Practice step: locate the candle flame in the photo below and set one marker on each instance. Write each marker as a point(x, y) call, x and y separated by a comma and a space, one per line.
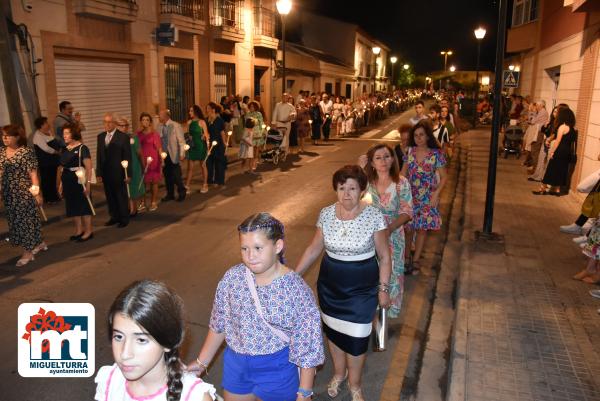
point(186, 147)
point(125, 163)
point(79, 173)
point(163, 155)
point(149, 159)
point(229, 133)
point(214, 143)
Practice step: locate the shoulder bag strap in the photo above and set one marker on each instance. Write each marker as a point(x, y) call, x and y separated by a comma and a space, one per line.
point(252, 289)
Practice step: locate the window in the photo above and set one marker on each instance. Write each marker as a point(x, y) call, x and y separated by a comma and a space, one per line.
point(179, 87)
point(224, 80)
point(348, 91)
point(329, 87)
point(524, 11)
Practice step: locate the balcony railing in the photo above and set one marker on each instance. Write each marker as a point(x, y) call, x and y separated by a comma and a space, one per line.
point(264, 22)
point(227, 14)
point(187, 8)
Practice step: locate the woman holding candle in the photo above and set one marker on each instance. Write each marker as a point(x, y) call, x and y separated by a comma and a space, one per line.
point(151, 149)
point(216, 162)
point(136, 190)
point(198, 149)
point(77, 190)
point(21, 193)
point(259, 133)
point(390, 193)
point(354, 275)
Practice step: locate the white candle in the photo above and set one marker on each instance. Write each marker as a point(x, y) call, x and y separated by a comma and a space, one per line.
point(79, 174)
point(229, 133)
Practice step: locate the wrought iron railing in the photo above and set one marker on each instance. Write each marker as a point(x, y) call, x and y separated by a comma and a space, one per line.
point(187, 8)
point(227, 14)
point(264, 21)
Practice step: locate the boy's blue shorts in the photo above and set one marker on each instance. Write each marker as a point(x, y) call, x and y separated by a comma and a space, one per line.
point(270, 377)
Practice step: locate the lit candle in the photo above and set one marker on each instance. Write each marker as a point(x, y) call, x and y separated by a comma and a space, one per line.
point(163, 155)
point(186, 147)
point(125, 164)
point(368, 199)
point(149, 159)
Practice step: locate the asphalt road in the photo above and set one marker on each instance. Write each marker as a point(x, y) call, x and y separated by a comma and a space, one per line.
point(188, 245)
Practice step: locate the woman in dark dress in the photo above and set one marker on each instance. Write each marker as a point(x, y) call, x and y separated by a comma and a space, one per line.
point(316, 115)
point(76, 155)
point(560, 154)
point(216, 162)
point(21, 193)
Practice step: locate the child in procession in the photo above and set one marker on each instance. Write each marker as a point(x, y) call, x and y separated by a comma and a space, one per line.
point(246, 148)
point(268, 318)
point(146, 328)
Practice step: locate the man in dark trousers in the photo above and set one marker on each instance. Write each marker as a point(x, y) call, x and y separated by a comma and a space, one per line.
point(113, 148)
point(173, 142)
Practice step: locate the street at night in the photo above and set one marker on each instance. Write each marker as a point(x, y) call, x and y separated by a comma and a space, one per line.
point(279, 200)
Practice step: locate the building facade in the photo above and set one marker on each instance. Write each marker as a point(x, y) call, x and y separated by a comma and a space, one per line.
point(555, 45)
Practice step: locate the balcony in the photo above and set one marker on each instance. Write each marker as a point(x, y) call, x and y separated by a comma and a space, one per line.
point(186, 15)
point(226, 20)
point(522, 37)
point(115, 10)
point(264, 28)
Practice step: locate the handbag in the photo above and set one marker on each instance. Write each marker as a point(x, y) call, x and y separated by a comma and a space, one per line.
point(279, 333)
point(82, 179)
point(380, 330)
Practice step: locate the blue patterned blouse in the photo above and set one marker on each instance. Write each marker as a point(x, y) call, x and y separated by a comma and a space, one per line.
point(288, 304)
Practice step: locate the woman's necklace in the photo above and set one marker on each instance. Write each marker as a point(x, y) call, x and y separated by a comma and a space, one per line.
point(346, 222)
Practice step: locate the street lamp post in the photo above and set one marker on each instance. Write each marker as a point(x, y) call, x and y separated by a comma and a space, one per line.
point(488, 217)
point(283, 7)
point(445, 53)
point(376, 50)
point(479, 35)
point(393, 60)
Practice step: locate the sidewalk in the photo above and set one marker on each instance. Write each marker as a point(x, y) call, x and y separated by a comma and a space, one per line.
point(524, 330)
point(56, 211)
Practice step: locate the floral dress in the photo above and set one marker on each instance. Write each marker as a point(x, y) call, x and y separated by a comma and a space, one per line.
point(396, 200)
point(592, 246)
point(423, 181)
point(24, 225)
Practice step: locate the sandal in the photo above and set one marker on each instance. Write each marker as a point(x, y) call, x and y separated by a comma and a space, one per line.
point(540, 192)
point(333, 388)
point(357, 394)
point(592, 278)
point(40, 247)
point(581, 275)
point(153, 207)
point(23, 261)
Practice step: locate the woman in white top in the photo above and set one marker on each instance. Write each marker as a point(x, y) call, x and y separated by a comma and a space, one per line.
point(337, 121)
point(354, 276)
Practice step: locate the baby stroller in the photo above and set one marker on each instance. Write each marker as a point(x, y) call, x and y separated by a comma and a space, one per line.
point(513, 141)
point(273, 151)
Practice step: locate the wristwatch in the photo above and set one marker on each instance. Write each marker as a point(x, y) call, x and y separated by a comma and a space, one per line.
point(304, 393)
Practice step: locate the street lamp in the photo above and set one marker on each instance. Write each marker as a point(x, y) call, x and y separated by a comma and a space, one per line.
point(445, 53)
point(393, 60)
point(376, 50)
point(283, 8)
point(406, 66)
point(479, 35)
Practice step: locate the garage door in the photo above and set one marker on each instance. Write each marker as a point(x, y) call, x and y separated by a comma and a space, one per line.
point(94, 88)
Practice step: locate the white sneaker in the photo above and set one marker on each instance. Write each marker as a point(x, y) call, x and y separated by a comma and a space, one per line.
point(595, 293)
point(580, 240)
point(571, 229)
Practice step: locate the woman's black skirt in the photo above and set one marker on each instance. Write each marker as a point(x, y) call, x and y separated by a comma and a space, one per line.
point(348, 299)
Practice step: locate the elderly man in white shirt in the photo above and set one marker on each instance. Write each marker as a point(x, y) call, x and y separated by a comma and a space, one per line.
point(283, 115)
point(327, 107)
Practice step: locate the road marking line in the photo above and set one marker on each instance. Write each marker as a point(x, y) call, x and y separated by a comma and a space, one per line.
point(224, 201)
point(162, 230)
point(393, 134)
point(370, 134)
point(313, 159)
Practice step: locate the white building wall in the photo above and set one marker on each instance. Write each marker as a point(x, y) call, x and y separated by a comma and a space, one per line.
point(591, 149)
point(567, 55)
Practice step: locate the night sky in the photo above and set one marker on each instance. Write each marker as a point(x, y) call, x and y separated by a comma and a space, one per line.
point(417, 30)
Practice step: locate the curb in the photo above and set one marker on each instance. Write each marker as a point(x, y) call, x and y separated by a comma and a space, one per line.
point(458, 352)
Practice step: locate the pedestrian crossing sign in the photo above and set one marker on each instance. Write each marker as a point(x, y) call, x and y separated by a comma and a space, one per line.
point(511, 79)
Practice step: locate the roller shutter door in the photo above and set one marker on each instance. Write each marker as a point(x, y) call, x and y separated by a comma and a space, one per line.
point(94, 88)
